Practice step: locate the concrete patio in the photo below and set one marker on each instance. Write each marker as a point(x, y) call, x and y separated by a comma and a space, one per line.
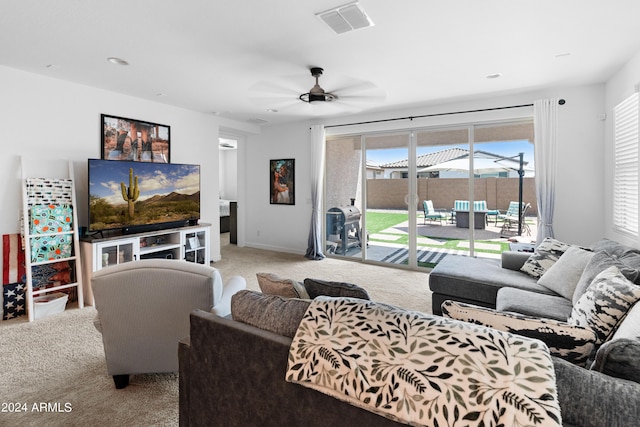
point(432, 237)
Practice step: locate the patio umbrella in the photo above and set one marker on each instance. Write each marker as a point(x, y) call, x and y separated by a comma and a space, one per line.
point(483, 165)
point(480, 166)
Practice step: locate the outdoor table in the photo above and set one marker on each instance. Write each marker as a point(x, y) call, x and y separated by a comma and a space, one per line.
point(479, 219)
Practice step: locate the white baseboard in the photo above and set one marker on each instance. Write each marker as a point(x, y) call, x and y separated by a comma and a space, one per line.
point(275, 248)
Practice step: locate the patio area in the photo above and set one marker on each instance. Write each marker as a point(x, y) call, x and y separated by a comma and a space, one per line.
point(437, 240)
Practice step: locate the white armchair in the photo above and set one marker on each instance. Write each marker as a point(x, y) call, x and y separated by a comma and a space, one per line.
point(143, 311)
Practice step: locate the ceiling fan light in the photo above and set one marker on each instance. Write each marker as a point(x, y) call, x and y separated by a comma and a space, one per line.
point(318, 97)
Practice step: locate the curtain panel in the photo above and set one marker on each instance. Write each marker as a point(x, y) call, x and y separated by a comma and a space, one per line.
point(545, 118)
point(317, 157)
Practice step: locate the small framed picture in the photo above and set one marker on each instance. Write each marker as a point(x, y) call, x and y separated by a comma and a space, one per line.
point(134, 140)
point(282, 182)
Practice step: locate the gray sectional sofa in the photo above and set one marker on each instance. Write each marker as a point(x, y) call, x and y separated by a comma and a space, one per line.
point(501, 284)
point(233, 374)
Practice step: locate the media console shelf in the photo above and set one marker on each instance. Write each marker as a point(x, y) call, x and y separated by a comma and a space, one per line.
point(190, 244)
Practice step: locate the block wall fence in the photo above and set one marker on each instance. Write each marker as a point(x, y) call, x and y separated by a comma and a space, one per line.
point(498, 192)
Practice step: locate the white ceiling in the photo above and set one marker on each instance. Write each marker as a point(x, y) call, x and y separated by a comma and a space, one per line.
point(240, 58)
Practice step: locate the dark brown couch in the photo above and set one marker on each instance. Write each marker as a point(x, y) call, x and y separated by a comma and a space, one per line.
point(233, 374)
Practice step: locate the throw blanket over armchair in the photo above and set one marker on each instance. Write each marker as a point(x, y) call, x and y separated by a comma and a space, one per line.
point(143, 311)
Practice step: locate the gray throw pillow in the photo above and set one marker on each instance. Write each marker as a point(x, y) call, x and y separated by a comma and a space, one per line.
point(619, 358)
point(613, 248)
point(545, 255)
point(317, 287)
point(629, 327)
point(268, 312)
point(563, 276)
point(600, 261)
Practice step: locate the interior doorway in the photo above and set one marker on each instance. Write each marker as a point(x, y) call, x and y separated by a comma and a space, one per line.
point(228, 189)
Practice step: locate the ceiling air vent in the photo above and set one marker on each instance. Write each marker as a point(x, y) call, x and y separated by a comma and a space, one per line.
point(345, 18)
point(257, 121)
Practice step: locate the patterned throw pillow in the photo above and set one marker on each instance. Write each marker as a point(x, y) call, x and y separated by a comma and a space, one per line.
point(272, 284)
point(605, 303)
point(599, 262)
point(545, 255)
point(570, 342)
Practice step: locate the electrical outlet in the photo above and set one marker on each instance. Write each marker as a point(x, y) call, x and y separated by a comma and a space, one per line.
point(258, 233)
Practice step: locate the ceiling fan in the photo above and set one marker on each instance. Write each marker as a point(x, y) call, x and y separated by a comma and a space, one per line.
point(317, 94)
point(347, 94)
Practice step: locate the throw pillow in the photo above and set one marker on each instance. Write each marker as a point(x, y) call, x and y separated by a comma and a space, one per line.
point(619, 358)
point(545, 255)
point(629, 327)
point(317, 287)
point(563, 276)
point(271, 284)
point(572, 343)
point(268, 312)
point(600, 261)
point(613, 248)
point(605, 303)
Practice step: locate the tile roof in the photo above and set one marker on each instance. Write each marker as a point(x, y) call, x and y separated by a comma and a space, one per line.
point(430, 159)
point(441, 156)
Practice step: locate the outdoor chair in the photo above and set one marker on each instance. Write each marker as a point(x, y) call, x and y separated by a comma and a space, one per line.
point(510, 222)
point(509, 214)
point(430, 213)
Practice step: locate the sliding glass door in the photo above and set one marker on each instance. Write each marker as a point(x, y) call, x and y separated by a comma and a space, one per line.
point(412, 197)
point(387, 216)
point(438, 234)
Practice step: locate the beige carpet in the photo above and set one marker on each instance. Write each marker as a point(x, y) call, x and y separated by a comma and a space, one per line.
point(59, 361)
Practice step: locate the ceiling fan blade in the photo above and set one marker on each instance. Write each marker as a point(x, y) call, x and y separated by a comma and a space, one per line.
point(271, 88)
point(362, 99)
point(362, 86)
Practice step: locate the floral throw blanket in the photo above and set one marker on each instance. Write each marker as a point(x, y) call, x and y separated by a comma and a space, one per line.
point(420, 369)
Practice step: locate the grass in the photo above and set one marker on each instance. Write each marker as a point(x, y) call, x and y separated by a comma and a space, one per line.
point(379, 221)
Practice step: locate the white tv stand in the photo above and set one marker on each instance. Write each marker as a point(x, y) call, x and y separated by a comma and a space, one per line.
point(189, 244)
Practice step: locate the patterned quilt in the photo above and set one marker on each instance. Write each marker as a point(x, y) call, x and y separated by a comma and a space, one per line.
point(420, 369)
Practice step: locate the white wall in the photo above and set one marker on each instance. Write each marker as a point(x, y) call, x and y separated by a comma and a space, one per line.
point(283, 228)
point(579, 213)
point(228, 173)
point(48, 118)
point(619, 87)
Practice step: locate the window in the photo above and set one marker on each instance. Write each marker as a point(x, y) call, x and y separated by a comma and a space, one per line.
point(625, 181)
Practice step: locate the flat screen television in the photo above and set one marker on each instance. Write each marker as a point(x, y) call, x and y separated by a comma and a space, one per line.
point(142, 196)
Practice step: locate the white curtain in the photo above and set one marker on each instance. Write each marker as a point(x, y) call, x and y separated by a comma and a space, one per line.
point(314, 247)
point(545, 123)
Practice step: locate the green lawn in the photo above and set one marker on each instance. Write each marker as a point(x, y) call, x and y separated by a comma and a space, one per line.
point(378, 221)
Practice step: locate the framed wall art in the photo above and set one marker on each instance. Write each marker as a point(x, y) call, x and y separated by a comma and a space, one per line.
point(134, 140)
point(282, 182)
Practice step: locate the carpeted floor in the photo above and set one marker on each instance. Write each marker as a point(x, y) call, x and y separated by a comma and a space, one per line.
point(53, 369)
